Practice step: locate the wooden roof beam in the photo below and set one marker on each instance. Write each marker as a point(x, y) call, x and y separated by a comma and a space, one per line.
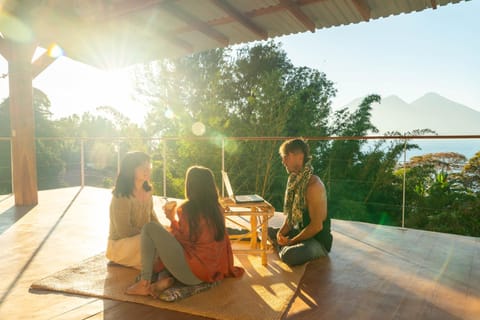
point(41, 63)
point(241, 18)
point(363, 8)
point(294, 8)
point(199, 25)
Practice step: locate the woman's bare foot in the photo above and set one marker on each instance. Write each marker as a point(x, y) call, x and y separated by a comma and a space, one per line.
point(162, 284)
point(140, 288)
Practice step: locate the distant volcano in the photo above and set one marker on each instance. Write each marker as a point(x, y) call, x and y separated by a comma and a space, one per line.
point(431, 111)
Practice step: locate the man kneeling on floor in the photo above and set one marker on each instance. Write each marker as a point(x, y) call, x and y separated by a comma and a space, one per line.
point(305, 234)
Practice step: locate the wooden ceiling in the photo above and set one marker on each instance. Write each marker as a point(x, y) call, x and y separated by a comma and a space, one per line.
point(116, 33)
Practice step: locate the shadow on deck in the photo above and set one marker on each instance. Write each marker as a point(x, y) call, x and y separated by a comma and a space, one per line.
point(373, 272)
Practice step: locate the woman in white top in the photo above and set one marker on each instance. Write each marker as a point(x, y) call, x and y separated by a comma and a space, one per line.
point(130, 209)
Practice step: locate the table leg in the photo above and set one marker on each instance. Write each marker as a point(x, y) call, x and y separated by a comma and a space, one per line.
point(264, 239)
point(253, 230)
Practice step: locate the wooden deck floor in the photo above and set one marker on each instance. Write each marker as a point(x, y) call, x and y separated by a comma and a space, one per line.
point(373, 272)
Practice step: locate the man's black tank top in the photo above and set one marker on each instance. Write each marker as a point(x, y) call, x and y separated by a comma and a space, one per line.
point(324, 236)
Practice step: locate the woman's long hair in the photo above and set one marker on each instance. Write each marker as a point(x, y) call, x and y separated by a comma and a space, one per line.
point(126, 177)
point(202, 201)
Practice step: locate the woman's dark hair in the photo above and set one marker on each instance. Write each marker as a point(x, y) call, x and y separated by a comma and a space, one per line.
point(202, 201)
point(126, 177)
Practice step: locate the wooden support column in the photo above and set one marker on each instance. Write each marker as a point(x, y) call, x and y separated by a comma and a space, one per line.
point(22, 123)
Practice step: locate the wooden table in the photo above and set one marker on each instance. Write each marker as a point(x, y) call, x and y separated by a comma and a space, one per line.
point(259, 213)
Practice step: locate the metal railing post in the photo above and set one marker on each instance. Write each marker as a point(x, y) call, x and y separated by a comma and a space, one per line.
point(164, 155)
point(82, 164)
point(223, 166)
point(11, 166)
point(404, 179)
point(117, 149)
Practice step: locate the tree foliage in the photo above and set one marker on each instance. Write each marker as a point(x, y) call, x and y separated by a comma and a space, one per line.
point(49, 163)
point(254, 91)
point(471, 173)
point(439, 195)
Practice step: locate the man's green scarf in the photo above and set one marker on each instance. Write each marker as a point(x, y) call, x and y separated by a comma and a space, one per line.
point(294, 204)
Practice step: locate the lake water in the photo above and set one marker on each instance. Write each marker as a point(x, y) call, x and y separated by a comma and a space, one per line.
point(467, 147)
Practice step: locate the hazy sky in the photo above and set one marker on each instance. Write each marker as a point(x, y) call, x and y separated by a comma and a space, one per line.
point(407, 55)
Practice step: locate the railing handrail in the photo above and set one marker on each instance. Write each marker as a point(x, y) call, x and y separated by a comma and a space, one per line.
point(263, 138)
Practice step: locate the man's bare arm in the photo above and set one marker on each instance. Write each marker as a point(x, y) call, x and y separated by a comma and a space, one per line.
point(281, 238)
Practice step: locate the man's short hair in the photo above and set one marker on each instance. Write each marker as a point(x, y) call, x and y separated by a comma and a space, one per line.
point(295, 146)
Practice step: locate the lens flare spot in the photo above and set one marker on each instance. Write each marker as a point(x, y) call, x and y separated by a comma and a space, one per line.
point(231, 146)
point(55, 51)
point(198, 129)
point(169, 114)
point(217, 139)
